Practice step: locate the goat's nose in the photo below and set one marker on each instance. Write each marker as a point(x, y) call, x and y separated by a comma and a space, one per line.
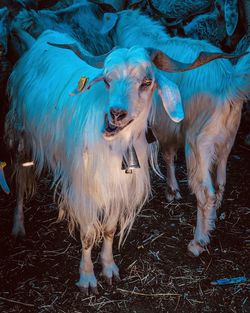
point(118, 114)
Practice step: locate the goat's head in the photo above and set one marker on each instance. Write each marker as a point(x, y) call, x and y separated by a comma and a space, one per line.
point(131, 76)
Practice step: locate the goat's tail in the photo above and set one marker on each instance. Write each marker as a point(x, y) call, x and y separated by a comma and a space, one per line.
point(242, 76)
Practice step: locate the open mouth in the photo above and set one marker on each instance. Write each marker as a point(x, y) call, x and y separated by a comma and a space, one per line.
point(112, 129)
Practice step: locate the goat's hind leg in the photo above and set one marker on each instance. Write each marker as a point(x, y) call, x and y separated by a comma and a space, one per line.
point(25, 184)
point(220, 180)
point(200, 180)
point(233, 121)
point(172, 190)
point(18, 228)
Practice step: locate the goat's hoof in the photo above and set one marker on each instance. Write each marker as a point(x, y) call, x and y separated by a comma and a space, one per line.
point(18, 231)
point(87, 283)
point(172, 195)
point(195, 248)
point(110, 272)
point(86, 291)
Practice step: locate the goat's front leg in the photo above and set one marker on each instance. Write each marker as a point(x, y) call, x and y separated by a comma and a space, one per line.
point(87, 276)
point(109, 268)
point(172, 190)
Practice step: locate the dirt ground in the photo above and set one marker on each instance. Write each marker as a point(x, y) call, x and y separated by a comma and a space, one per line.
point(38, 272)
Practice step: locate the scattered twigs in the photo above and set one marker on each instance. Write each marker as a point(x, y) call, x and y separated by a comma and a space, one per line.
point(56, 252)
point(16, 302)
point(150, 239)
point(208, 266)
point(167, 294)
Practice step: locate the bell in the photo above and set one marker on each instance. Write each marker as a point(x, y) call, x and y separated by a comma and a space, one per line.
point(130, 160)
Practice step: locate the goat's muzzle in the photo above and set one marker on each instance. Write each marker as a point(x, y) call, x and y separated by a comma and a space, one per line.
point(118, 123)
point(118, 115)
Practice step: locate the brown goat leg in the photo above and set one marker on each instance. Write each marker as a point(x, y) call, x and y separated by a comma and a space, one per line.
point(172, 190)
point(18, 220)
point(110, 270)
point(25, 185)
point(87, 279)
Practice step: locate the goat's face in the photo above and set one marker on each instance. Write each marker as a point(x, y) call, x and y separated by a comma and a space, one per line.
point(131, 75)
point(130, 80)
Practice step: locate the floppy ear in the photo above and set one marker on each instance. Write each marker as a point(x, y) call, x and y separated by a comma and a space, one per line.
point(170, 96)
point(231, 15)
point(109, 21)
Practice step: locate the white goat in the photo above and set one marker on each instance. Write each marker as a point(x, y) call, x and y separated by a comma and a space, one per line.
point(82, 139)
point(82, 21)
point(212, 97)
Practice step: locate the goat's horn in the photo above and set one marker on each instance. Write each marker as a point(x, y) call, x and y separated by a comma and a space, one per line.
point(96, 61)
point(165, 63)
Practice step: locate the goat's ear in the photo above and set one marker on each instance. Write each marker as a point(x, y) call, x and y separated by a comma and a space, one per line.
point(170, 96)
point(108, 22)
point(231, 16)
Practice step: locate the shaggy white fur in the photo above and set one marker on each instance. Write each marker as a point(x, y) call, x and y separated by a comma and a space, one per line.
point(68, 134)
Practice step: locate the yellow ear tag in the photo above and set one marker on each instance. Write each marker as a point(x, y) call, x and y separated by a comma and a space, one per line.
point(2, 164)
point(80, 86)
point(82, 83)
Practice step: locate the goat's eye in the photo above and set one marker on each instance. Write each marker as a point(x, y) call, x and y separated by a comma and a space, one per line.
point(146, 83)
point(107, 83)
